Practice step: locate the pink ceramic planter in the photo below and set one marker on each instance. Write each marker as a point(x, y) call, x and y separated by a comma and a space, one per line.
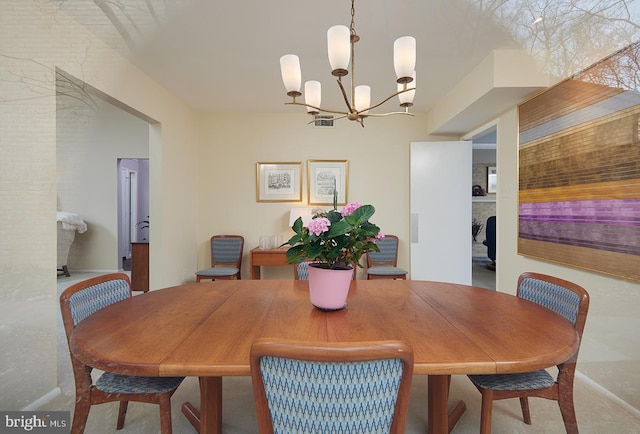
point(329, 288)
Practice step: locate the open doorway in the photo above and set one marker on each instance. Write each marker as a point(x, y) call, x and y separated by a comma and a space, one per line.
point(133, 205)
point(484, 196)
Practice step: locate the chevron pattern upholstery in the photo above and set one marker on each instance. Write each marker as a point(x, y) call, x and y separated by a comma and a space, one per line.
point(226, 249)
point(305, 395)
point(93, 298)
point(302, 271)
point(571, 302)
point(116, 383)
point(79, 302)
point(522, 381)
point(304, 398)
point(561, 300)
point(226, 258)
point(383, 264)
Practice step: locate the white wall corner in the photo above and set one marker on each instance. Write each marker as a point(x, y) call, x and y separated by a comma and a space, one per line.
point(503, 79)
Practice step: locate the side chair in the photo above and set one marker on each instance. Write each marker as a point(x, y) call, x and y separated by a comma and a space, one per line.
point(301, 271)
point(567, 299)
point(384, 264)
point(324, 387)
point(226, 258)
point(80, 301)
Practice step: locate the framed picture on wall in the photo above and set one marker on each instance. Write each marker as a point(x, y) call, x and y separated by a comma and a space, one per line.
point(279, 182)
point(325, 176)
point(492, 179)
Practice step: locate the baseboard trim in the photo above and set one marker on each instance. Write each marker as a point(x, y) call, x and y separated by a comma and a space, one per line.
point(609, 395)
point(44, 399)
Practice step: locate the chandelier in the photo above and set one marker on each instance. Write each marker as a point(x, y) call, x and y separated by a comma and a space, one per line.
point(341, 45)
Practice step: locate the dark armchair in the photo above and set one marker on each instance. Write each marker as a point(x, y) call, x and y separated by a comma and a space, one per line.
point(490, 241)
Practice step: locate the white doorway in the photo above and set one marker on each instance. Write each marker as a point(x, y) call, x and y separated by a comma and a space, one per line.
point(441, 211)
point(133, 206)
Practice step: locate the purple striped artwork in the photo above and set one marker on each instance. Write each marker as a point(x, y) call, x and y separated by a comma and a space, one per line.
point(579, 170)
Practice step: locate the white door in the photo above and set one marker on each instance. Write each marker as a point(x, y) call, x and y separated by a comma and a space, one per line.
point(441, 238)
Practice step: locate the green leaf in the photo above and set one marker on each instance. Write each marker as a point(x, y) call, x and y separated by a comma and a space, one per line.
point(364, 213)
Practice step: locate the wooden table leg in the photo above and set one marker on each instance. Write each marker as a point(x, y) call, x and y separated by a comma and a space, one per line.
point(207, 420)
point(440, 420)
point(255, 272)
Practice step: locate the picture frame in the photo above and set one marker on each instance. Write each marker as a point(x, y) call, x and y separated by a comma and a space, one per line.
point(492, 179)
point(325, 175)
point(279, 182)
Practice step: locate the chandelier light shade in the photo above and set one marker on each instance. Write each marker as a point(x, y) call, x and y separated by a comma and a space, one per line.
point(341, 42)
point(339, 49)
point(313, 96)
point(363, 99)
point(406, 98)
point(404, 58)
point(291, 76)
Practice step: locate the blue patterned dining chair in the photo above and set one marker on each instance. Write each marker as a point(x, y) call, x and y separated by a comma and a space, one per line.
point(301, 271)
point(567, 299)
point(80, 301)
point(384, 264)
point(226, 258)
point(357, 387)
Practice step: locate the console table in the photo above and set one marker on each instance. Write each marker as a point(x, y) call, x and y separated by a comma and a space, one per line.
point(267, 258)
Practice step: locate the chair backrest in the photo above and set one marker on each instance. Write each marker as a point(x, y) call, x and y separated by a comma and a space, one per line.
point(331, 387)
point(227, 250)
point(83, 299)
point(490, 234)
point(567, 299)
point(301, 271)
point(388, 254)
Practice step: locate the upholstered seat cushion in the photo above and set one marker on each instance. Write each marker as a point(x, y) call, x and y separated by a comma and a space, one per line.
point(218, 271)
point(524, 381)
point(386, 270)
point(116, 383)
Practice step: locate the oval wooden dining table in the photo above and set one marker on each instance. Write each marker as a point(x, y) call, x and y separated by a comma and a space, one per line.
point(206, 330)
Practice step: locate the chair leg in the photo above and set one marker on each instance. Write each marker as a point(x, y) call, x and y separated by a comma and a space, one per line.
point(165, 414)
point(487, 409)
point(80, 415)
point(122, 413)
point(526, 415)
point(568, 413)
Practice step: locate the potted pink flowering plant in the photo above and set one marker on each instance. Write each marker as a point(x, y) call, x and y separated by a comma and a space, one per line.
point(335, 239)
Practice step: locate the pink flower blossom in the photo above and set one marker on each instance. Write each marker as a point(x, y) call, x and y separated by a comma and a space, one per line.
point(319, 225)
point(380, 236)
point(350, 208)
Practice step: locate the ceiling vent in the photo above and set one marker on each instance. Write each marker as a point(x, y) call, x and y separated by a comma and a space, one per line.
point(323, 121)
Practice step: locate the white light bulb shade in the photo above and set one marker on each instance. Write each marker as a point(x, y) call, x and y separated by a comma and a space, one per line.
point(312, 94)
point(404, 56)
point(363, 98)
point(339, 47)
point(290, 69)
point(407, 97)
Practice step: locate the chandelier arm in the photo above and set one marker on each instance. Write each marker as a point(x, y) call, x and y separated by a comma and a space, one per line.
point(316, 108)
point(381, 115)
point(344, 95)
point(387, 99)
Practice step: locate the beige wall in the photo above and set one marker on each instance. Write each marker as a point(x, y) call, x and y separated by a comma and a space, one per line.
point(231, 145)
